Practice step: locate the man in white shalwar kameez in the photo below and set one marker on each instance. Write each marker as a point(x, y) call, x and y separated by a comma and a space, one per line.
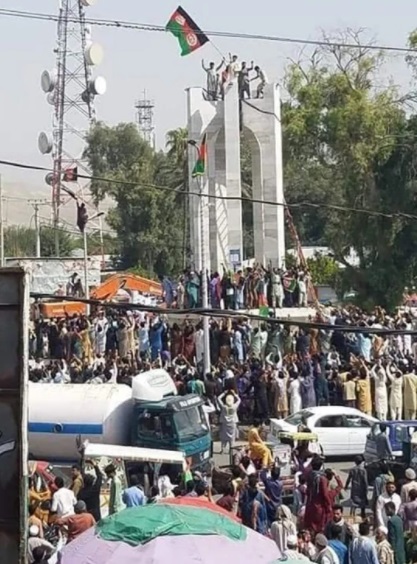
point(381, 396)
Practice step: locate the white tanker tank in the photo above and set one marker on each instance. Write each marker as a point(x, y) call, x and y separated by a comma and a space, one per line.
point(60, 414)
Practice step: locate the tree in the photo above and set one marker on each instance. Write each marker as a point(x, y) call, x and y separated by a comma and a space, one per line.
point(324, 270)
point(145, 218)
point(343, 142)
point(21, 242)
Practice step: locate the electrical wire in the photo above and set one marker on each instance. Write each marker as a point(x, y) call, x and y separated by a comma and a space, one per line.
point(228, 34)
point(293, 205)
point(226, 313)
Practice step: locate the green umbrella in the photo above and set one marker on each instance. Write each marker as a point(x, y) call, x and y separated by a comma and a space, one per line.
point(139, 525)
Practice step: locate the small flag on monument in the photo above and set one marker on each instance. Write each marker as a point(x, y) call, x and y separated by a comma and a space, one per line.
point(189, 35)
point(200, 165)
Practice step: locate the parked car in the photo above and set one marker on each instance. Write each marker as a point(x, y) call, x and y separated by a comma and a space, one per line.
point(341, 431)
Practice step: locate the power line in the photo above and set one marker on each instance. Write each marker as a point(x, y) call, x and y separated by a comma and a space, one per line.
point(213, 33)
point(293, 205)
point(225, 313)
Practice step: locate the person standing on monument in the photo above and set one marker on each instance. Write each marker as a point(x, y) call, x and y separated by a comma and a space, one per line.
point(212, 79)
point(243, 80)
point(261, 76)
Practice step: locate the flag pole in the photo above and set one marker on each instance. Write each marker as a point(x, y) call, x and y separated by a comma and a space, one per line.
point(204, 290)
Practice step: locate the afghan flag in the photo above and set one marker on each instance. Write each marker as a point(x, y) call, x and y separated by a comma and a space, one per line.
point(200, 165)
point(289, 284)
point(187, 32)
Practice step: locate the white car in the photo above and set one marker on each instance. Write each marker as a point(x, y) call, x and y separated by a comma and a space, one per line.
point(341, 431)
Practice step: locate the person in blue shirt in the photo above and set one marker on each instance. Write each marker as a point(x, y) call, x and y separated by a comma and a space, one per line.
point(133, 496)
point(273, 490)
point(337, 545)
point(362, 549)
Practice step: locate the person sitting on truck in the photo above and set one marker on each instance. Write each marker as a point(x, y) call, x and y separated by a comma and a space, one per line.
point(133, 496)
point(259, 452)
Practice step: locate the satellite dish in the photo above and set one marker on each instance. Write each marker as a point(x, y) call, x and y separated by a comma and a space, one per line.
point(86, 97)
point(98, 86)
point(88, 3)
point(49, 178)
point(48, 81)
point(93, 54)
point(51, 98)
point(45, 143)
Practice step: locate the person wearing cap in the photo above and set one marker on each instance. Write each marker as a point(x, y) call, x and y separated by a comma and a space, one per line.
point(410, 484)
point(78, 523)
point(325, 554)
point(35, 541)
point(383, 547)
point(292, 552)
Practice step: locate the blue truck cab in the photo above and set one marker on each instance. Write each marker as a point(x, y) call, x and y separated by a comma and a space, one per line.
point(396, 431)
point(163, 420)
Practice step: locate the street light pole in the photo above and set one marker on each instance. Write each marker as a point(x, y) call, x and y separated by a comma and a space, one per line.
point(86, 288)
point(85, 241)
point(204, 290)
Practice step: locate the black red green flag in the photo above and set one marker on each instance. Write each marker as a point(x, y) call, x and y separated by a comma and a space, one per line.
point(200, 165)
point(189, 35)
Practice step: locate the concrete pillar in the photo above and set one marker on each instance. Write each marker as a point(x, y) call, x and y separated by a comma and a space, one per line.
point(200, 114)
point(233, 173)
point(263, 118)
point(219, 227)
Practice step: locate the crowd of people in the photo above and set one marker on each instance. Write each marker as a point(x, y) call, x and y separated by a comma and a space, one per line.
point(276, 370)
point(250, 288)
point(259, 371)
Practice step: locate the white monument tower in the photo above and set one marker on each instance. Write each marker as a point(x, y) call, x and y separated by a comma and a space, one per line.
point(71, 90)
point(222, 121)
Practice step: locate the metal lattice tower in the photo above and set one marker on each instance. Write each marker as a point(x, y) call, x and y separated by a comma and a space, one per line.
point(71, 90)
point(144, 115)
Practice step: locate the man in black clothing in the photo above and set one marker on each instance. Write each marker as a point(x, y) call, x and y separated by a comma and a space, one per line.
point(338, 521)
point(90, 493)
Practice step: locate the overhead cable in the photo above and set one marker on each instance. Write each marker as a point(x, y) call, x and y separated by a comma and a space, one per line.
point(226, 313)
point(121, 24)
point(293, 205)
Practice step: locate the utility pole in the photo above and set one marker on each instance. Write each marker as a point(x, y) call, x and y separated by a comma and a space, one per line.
point(1, 225)
point(204, 289)
point(37, 231)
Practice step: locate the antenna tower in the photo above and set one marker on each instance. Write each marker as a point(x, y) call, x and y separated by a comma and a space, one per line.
point(144, 115)
point(71, 89)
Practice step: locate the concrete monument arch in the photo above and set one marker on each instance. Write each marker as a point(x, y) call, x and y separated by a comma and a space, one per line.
point(222, 121)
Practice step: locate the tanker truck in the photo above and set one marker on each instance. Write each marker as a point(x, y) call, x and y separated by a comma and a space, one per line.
point(150, 415)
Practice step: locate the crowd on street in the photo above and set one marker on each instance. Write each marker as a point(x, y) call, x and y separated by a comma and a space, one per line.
point(259, 371)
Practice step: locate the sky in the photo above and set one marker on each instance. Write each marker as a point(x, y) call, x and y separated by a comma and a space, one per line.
point(135, 61)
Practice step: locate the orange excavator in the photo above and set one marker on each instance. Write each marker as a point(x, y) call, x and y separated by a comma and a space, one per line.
point(118, 288)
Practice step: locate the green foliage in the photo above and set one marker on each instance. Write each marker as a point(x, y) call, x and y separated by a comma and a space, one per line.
point(324, 270)
point(148, 221)
point(348, 143)
point(21, 242)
